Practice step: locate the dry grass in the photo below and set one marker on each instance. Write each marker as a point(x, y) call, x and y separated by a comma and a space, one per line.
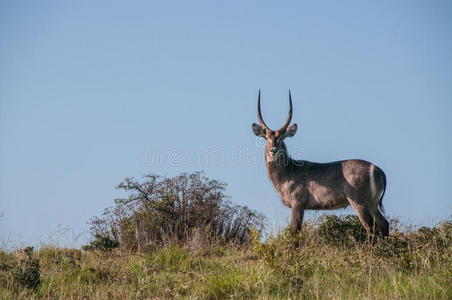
point(312, 264)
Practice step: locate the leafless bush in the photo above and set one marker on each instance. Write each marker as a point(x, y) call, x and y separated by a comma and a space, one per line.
point(159, 210)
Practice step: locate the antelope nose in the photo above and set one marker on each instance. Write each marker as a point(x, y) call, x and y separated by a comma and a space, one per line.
point(273, 150)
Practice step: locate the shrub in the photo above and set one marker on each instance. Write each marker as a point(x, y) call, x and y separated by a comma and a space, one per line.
point(102, 243)
point(395, 245)
point(162, 210)
point(345, 230)
point(27, 273)
point(440, 236)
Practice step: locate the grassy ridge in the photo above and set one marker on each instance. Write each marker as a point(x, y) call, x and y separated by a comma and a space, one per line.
point(312, 264)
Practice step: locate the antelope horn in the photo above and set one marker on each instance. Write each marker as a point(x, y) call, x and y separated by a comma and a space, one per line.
point(289, 117)
point(259, 114)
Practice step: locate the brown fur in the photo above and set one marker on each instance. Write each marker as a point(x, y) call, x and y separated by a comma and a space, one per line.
point(305, 185)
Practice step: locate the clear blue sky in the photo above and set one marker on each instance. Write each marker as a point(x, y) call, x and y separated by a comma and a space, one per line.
point(94, 91)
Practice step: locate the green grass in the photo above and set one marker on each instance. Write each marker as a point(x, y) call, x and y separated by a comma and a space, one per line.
point(311, 265)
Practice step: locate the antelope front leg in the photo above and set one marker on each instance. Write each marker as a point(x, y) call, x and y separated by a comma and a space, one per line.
point(297, 218)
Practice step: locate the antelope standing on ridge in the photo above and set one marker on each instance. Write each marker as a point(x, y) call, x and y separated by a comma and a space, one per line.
point(308, 185)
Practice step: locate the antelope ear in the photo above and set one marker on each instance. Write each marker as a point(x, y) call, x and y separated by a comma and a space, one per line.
point(291, 130)
point(258, 130)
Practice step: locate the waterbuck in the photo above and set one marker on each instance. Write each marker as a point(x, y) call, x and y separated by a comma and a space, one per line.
point(308, 185)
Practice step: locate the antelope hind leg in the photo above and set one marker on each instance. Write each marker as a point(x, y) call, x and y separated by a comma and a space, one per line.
point(365, 217)
point(381, 222)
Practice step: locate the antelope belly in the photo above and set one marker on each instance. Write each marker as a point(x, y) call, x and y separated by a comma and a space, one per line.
point(322, 197)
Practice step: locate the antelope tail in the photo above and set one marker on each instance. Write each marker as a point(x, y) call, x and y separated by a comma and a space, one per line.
point(383, 189)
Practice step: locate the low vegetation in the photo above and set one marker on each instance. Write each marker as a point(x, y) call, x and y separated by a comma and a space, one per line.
point(311, 264)
point(161, 210)
point(329, 259)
